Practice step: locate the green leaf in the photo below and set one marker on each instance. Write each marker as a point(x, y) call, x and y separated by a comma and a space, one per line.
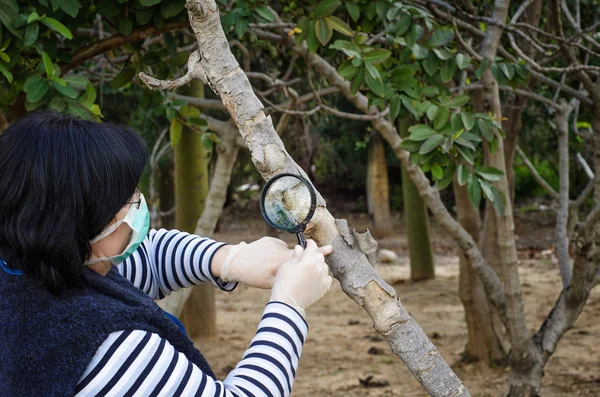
point(80, 111)
point(57, 103)
point(9, 11)
point(170, 8)
point(353, 10)
point(471, 137)
point(31, 34)
point(188, 111)
point(375, 84)
point(464, 142)
point(33, 17)
point(437, 172)
point(47, 64)
point(340, 26)
point(462, 61)
point(323, 30)
point(419, 52)
point(347, 47)
point(482, 67)
point(443, 53)
point(348, 71)
point(65, 90)
point(325, 7)
point(37, 89)
point(77, 81)
point(372, 70)
point(377, 56)
point(401, 73)
point(125, 26)
point(447, 70)
point(70, 7)
point(311, 38)
point(447, 178)
point(441, 118)
point(489, 173)
point(498, 202)
point(89, 96)
point(410, 146)
point(123, 78)
point(109, 8)
point(395, 106)
point(474, 191)
point(175, 131)
point(144, 16)
point(31, 80)
point(57, 27)
point(207, 143)
point(468, 120)
point(457, 101)
point(420, 132)
point(487, 189)
point(466, 154)
point(431, 143)
point(455, 122)
point(485, 129)
point(148, 3)
point(431, 64)
point(432, 112)
point(198, 122)
point(462, 175)
point(6, 73)
point(441, 37)
point(4, 57)
point(265, 13)
point(357, 81)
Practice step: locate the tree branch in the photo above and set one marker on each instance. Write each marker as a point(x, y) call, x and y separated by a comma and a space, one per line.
point(357, 276)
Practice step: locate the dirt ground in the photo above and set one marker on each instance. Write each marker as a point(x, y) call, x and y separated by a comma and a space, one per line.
point(343, 348)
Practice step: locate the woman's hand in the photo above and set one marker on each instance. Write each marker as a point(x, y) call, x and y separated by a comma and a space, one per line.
point(256, 264)
point(304, 279)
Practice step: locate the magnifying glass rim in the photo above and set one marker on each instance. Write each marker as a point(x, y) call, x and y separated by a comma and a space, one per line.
point(313, 202)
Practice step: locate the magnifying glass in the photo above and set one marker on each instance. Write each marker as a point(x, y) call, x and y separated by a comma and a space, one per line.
point(288, 203)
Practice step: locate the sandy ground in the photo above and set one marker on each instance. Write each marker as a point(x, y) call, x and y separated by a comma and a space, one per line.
point(342, 346)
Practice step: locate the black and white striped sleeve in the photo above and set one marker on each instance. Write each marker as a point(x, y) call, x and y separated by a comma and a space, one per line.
point(139, 363)
point(169, 260)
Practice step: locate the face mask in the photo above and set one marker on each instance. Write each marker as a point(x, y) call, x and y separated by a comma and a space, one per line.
point(138, 220)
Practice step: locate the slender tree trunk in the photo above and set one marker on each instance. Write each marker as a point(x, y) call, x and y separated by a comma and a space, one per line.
point(378, 195)
point(191, 188)
point(512, 125)
point(416, 220)
point(482, 342)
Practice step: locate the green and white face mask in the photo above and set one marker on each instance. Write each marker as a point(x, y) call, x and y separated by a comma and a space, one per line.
point(138, 219)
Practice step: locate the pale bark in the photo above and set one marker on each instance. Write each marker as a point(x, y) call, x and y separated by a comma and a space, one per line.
point(215, 64)
point(562, 216)
point(378, 197)
point(215, 201)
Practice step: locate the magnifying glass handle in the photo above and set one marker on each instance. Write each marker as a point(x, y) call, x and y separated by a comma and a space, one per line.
point(301, 240)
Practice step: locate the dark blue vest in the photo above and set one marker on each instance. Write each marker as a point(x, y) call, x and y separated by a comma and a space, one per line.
point(46, 342)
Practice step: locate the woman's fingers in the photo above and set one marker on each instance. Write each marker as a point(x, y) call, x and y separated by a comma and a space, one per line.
point(326, 249)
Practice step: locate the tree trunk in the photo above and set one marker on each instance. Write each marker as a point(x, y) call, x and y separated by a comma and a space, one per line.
point(416, 220)
point(499, 245)
point(378, 196)
point(214, 64)
point(191, 188)
point(482, 342)
point(512, 125)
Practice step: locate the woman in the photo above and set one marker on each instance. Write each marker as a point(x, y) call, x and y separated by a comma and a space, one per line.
point(79, 272)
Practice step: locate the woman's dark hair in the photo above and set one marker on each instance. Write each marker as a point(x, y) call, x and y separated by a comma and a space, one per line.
point(62, 180)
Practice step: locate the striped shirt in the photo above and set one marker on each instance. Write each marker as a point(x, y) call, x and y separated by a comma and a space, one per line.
point(141, 363)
